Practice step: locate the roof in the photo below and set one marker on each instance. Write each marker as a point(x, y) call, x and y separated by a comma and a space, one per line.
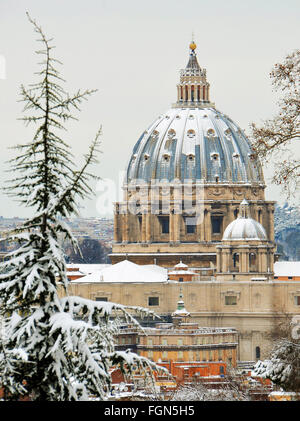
point(86, 269)
point(287, 269)
point(244, 229)
point(201, 144)
point(127, 271)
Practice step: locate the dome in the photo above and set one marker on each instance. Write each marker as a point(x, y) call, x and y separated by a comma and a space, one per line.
point(196, 143)
point(244, 229)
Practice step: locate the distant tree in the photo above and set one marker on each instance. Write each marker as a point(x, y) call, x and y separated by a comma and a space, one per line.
point(274, 138)
point(53, 348)
point(91, 251)
point(283, 368)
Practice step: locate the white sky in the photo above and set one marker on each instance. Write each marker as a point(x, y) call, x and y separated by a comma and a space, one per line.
point(132, 51)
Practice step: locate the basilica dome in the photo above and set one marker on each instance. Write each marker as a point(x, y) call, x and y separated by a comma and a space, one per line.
point(193, 140)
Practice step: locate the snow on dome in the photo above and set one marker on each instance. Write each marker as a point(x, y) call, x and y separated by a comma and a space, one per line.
point(244, 229)
point(181, 136)
point(127, 271)
point(181, 265)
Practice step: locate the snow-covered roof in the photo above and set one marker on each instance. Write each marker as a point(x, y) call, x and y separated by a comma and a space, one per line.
point(127, 271)
point(244, 229)
point(287, 269)
point(86, 268)
point(181, 265)
point(182, 272)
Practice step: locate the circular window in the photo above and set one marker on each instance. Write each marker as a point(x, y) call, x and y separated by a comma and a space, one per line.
point(191, 133)
point(210, 133)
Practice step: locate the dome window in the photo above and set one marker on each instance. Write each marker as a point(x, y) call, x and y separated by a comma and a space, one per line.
point(205, 116)
point(146, 156)
point(191, 117)
point(166, 157)
point(227, 133)
point(236, 155)
point(191, 133)
point(178, 117)
point(167, 117)
point(134, 157)
point(251, 156)
point(210, 133)
point(171, 133)
point(191, 157)
point(214, 156)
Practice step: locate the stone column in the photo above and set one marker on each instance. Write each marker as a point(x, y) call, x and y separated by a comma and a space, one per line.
point(177, 220)
point(144, 227)
point(125, 228)
point(116, 218)
point(207, 225)
point(178, 93)
point(148, 227)
point(189, 93)
point(271, 223)
point(219, 260)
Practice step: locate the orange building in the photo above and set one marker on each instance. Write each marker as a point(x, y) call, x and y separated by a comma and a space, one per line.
point(181, 273)
point(167, 343)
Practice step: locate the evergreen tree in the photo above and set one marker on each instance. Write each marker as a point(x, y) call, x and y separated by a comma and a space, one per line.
point(53, 348)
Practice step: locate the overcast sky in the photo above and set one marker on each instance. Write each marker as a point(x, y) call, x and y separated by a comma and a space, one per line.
point(132, 52)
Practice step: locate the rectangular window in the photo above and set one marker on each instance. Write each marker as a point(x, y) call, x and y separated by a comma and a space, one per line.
point(164, 342)
point(153, 301)
point(180, 355)
point(297, 300)
point(180, 342)
point(165, 224)
point(216, 223)
point(230, 300)
point(165, 355)
point(190, 225)
point(101, 298)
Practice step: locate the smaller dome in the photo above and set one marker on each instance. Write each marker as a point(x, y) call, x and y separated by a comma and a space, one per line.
point(244, 229)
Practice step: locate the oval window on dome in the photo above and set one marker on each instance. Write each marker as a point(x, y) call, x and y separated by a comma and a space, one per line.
point(191, 157)
point(178, 117)
point(166, 157)
point(146, 157)
point(236, 155)
point(191, 117)
point(227, 133)
point(214, 156)
point(171, 133)
point(191, 133)
point(211, 133)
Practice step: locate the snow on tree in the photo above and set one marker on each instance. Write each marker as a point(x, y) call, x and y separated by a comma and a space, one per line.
point(53, 348)
point(276, 135)
point(283, 367)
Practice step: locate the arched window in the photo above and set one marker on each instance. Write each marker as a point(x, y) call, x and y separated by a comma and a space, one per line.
point(252, 262)
point(235, 259)
point(257, 352)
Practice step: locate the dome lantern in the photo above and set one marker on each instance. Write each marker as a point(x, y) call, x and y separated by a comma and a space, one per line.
point(193, 88)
